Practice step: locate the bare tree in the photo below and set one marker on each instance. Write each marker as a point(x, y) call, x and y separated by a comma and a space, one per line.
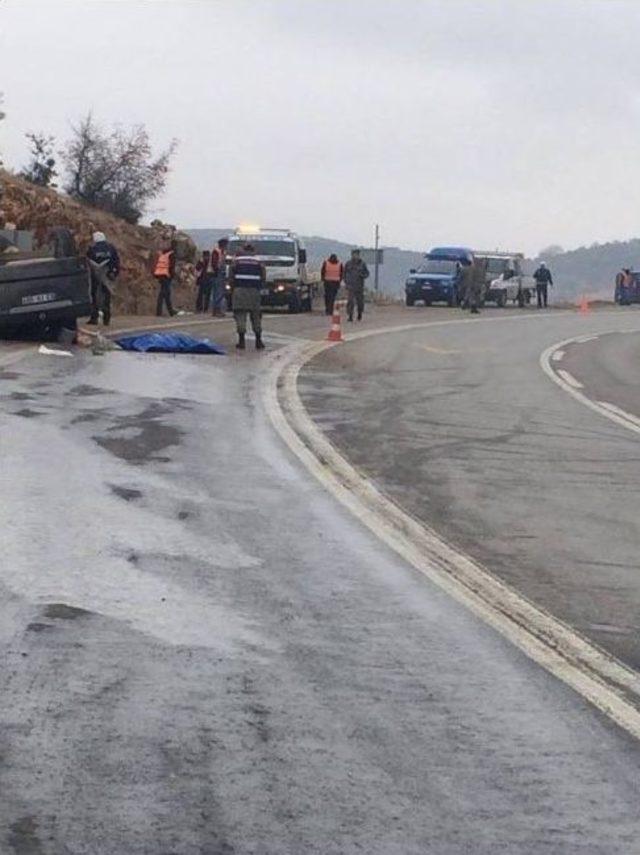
point(42, 168)
point(551, 250)
point(115, 171)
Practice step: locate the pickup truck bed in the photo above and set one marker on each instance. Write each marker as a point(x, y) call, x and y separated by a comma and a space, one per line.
point(43, 292)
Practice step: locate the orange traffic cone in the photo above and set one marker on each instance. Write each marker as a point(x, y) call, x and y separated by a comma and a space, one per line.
point(335, 333)
point(584, 306)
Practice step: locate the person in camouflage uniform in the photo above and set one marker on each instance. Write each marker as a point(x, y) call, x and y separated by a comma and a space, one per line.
point(477, 283)
point(247, 277)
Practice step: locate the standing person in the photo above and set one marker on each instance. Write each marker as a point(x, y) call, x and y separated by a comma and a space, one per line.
point(204, 280)
point(543, 279)
point(219, 267)
point(476, 284)
point(355, 272)
point(246, 277)
point(464, 285)
point(331, 275)
point(104, 266)
point(164, 270)
point(623, 283)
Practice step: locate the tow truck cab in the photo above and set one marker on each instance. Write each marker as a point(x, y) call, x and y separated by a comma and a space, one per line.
point(285, 260)
point(438, 278)
point(505, 278)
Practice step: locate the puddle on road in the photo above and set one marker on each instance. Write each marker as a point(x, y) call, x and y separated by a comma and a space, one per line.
point(129, 494)
point(62, 611)
point(150, 436)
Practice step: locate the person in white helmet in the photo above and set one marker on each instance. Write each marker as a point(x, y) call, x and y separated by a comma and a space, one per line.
point(104, 265)
point(543, 279)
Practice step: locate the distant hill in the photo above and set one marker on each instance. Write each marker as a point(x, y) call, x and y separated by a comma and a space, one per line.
point(394, 271)
point(586, 270)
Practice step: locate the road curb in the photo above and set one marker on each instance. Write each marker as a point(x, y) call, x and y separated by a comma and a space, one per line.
point(598, 677)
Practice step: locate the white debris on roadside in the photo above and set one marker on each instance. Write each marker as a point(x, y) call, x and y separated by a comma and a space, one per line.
point(48, 351)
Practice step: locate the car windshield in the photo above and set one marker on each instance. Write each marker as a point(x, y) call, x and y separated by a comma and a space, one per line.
point(497, 265)
point(447, 268)
point(264, 246)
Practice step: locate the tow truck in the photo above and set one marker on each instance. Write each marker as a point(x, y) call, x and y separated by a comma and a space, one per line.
point(284, 256)
point(505, 278)
point(42, 291)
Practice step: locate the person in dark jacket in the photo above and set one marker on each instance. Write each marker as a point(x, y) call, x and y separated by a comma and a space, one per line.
point(355, 273)
point(331, 275)
point(164, 270)
point(204, 281)
point(246, 277)
point(104, 266)
point(219, 267)
point(543, 279)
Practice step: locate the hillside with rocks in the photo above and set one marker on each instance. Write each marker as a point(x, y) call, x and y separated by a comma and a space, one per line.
point(38, 209)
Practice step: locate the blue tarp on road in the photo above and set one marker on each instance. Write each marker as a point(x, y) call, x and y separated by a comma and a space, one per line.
point(166, 342)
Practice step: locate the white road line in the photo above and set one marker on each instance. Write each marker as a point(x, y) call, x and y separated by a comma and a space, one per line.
point(600, 678)
point(620, 412)
point(558, 355)
point(585, 338)
point(620, 418)
point(569, 378)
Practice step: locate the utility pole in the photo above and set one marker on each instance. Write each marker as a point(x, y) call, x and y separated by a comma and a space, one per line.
point(375, 257)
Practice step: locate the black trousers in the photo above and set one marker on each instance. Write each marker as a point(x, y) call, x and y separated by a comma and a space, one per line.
point(164, 295)
point(355, 297)
point(100, 299)
point(541, 291)
point(203, 299)
point(330, 292)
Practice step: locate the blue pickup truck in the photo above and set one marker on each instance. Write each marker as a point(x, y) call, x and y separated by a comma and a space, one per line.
point(438, 278)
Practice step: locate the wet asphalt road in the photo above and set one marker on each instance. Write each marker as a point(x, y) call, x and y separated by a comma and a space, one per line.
point(202, 652)
point(459, 424)
point(608, 368)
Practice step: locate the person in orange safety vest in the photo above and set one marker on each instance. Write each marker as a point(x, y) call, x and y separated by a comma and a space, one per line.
point(331, 275)
point(164, 270)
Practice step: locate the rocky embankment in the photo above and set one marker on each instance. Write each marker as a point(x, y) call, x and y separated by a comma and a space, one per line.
point(38, 209)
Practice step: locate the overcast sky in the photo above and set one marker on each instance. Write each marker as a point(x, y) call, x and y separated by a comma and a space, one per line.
point(492, 123)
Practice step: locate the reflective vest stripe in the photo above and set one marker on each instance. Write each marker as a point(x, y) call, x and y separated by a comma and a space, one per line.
point(332, 271)
point(163, 264)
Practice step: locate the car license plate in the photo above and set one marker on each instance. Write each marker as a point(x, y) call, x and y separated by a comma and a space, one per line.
point(426, 287)
point(38, 298)
point(264, 292)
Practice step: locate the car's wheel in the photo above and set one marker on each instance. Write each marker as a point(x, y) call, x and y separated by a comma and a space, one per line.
point(410, 300)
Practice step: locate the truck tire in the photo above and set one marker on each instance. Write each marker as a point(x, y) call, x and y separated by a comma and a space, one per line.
point(409, 300)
